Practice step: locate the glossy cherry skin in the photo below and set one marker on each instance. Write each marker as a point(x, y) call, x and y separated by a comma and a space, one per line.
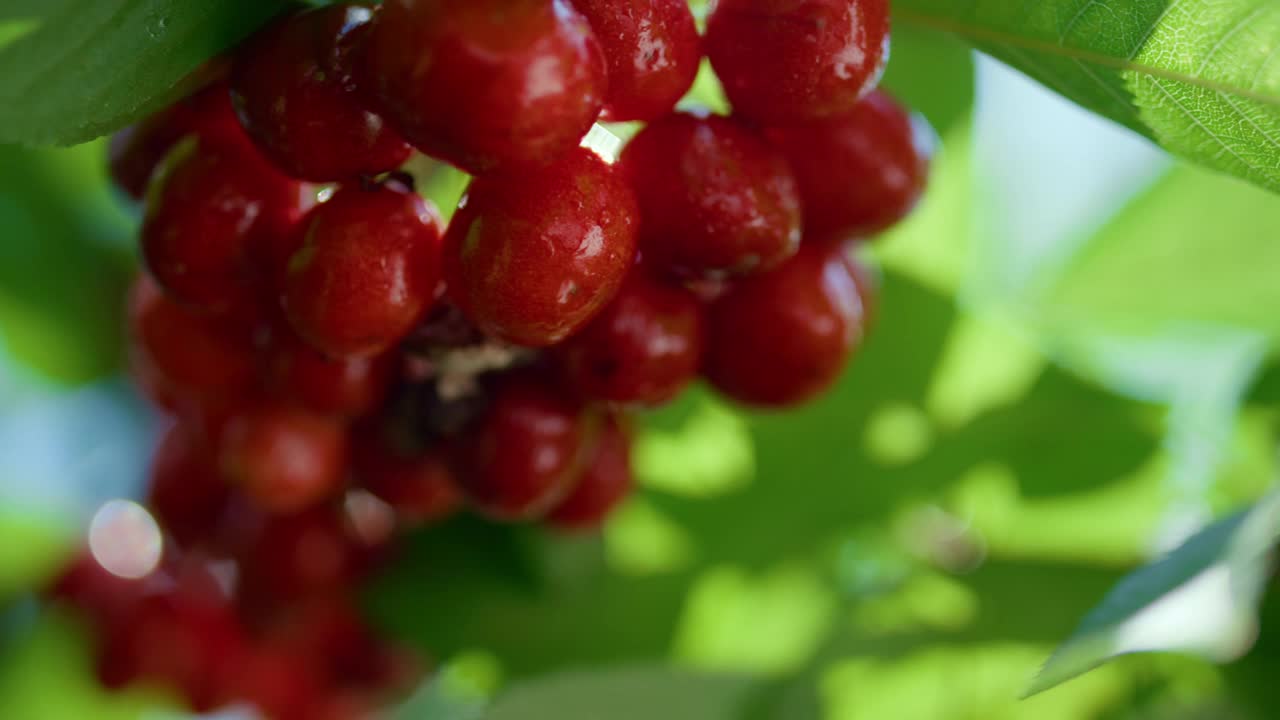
point(294, 92)
point(788, 60)
point(652, 50)
point(486, 83)
point(351, 387)
point(526, 453)
point(209, 203)
point(643, 349)
point(781, 338)
point(859, 172)
point(532, 256)
point(605, 482)
point(283, 458)
point(715, 199)
point(180, 358)
point(366, 272)
point(419, 485)
point(134, 153)
point(187, 495)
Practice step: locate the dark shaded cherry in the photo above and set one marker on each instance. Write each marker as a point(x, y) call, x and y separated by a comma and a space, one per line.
point(285, 459)
point(294, 557)
point(294, 92)
point(135, 152)
point(104, 597)
point(526, 452)
point(652, 50)
point(486, 83)
point(350, 387)
point(643, 349)
point(781, 338)
point(188, 641)
point(209, 204)
point(187, 495)
point(715, 199)
point(786, 60)
point(367, 270)
point(418, 484)
point(179, 357)
point(604, 484)
point(531, 256)
point(859, 172)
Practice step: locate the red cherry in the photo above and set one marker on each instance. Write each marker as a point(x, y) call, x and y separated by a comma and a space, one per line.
point(209, 204)
point(780, 338)
point(604, 484)
point(526, 453)
point(183, 640)
point(367, 270)
point(715, 199)
point(859, 172)
point(485, 83)
point(106, 598)
point(351, 387)
point(134, 153)
point(285, 459)
point(652, 50)
point(278, 683)
point(532, 256)
point(786, 60)
point(643, 349)
point(187, 495)
point(291, 558)
point(294, 93)
point(179, 357)
point(419, 485)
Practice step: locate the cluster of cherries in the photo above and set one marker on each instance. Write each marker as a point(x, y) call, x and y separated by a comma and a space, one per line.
point(338, 365)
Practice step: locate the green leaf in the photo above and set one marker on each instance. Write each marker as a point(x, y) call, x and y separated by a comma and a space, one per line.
point(1196, 249)
point(73, 70)
point(1198, 76)
point(1202, 597)
point(932, 73)
point(63, 271)
point(624, 694)
point(437, 701)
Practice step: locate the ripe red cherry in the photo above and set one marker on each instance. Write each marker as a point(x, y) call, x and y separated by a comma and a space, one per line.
point(187, 495)
point(533, 255)
point(715, 199)
point(604, 484)
point(527, 451)
point(283, 458)
point(350, 387)
point(278, 683)
point(294, 557)
point(485, 83)
point(859, 172)
point(652, 50)
point(179, 357)
point(209, 204)
point(643, 349)
point(780, 338)
point(134, 153)
point(294, 92)
point(786, 60)
point(366, 272)
point(176, 639)
point(418, 485)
